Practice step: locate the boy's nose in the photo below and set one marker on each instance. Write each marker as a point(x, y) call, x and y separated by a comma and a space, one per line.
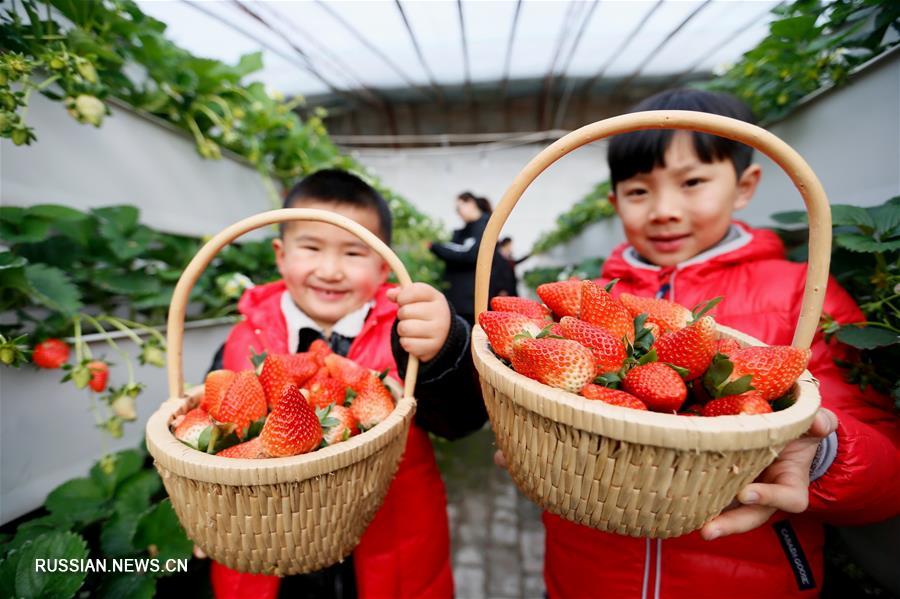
point(329, 269)
point(666, 208)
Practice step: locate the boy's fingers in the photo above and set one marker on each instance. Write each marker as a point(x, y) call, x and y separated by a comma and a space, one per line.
point(736, 521)
point(791, 495)
point(416, 311)
point(415, 329)
point(500, 459)
point(825, 423)
point(392, 293)
point(421, 348)
point(417, 292)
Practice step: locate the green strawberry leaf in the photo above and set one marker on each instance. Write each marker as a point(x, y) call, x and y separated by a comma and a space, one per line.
point(702, 308)
point(257, 359)
point(718, 372)
point(80, 500)
point(609, 286)
point(204, 439)
point(737, 386)
point(867, 337)
point(349, 396)
point(609, 379)
point(650, 356)
point(643, 336)
point(133, 586)
point(120, 467)
point(159, 527)
point(682, 372)
point(255, 428)
point(30, 582)
point(383, 374)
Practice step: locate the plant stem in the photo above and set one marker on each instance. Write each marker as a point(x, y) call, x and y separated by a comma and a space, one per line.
point(113, 345)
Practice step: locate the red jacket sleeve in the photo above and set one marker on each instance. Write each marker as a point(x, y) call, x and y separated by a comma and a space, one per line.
point(862, 485)
point(241, 340)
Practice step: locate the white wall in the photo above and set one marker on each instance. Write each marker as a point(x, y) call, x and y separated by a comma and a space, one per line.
point(431, 179)
point(128, 160)
point(850, 137)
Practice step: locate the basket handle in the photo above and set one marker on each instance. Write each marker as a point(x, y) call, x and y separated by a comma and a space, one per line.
point(787, 158)
point(178, 307)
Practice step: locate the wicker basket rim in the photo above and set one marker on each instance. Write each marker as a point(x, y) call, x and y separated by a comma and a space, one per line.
point(174, 455)
point(723, 433)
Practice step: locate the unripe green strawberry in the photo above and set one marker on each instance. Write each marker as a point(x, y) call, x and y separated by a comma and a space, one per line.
point(657, 385)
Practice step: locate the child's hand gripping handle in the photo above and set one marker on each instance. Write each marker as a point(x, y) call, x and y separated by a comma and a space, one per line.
point(178, 307)
point(782, 154)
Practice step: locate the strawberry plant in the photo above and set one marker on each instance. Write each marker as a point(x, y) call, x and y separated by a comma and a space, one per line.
point(118, 511)
point(866, 261)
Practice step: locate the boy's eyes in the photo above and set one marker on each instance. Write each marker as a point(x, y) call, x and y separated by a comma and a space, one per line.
point(635, 192)
point(694, 181)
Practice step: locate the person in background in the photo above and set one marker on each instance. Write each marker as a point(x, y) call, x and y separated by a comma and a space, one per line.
point(460, 255)
point(505, 248)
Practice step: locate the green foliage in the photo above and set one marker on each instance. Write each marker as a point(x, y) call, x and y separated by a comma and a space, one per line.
point(104, 260)
point(119, 510)
point(85, 53)
point(811, 44)
point(866, 261)
point(592, 208)
point(586, 269)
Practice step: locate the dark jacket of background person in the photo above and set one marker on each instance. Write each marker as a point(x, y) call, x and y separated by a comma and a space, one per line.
point(460, 255)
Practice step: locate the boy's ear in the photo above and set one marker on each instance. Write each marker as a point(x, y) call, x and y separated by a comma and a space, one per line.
point(278, 249)
point(385, 271)
point(746, 186)
point(611, 196)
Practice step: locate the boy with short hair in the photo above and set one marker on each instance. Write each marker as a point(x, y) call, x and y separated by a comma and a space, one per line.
point(675, 192)
point(334, 287)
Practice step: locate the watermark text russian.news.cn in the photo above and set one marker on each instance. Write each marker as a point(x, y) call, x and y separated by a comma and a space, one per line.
point(125, 564)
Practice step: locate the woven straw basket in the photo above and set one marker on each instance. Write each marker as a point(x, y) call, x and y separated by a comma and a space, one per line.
point(640, 473)
point(276, 516)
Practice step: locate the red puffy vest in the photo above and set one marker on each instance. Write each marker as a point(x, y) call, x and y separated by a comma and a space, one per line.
point(405, 551)
point(782, 558)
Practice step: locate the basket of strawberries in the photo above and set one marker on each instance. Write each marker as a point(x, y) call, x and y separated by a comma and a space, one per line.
point(634, 415)
point(279, 470)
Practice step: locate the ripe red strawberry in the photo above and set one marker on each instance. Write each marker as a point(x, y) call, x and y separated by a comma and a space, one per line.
point(563, 297)
point(609, 352)
point(346, 371)
point(292, 427)
point(599, 308)
point(520, 305)
point(502, 327)
point(727, 346)
point(773, 368)
point(668, 315)
point(338, 424)
point(561, 363)
point(50, 353)
point(215, 387)
point(750, 402)
point(327, 391)
point(191, 426)
point(691, 348)
point(612, 396)
point(318, 349)
point(274, 377)
point(302, 366)
point(244, 402)
point(248, 450)
point(373, 404)
point(657, 385)
point(99, 375)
